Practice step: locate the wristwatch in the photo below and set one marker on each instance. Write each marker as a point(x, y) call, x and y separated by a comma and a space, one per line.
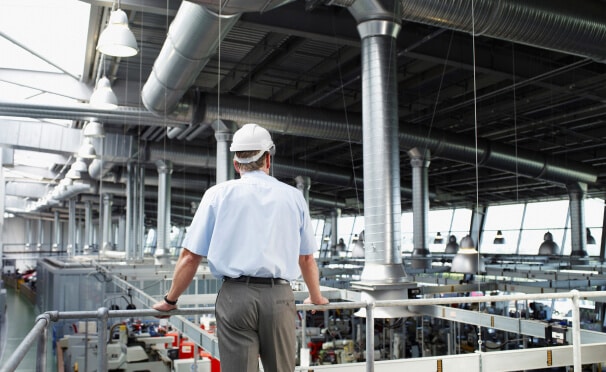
point(169, 301)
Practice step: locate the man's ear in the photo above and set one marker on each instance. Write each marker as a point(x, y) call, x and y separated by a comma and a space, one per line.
point(236, 167)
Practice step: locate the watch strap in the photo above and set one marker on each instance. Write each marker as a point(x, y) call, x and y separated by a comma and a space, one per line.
point(169, 301)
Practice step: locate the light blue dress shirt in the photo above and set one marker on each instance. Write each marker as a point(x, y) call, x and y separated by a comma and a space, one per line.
point(255, 226)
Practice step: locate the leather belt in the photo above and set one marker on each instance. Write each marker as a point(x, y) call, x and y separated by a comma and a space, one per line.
point(256, 280)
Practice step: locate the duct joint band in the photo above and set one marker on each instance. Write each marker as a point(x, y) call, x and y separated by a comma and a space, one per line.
point(378, 28)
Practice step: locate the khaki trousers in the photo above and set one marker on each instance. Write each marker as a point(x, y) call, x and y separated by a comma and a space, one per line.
point(256, 320)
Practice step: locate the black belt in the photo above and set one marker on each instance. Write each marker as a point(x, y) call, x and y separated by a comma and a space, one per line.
point(256, 280)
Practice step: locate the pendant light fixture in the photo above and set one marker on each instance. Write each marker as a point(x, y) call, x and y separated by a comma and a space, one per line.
point(117, 39)
point(590, 238)
point(548, 247)
point(73, 174)
point(452, 246)
point(103, 96)
point(499, 238)
point(93, 129)
point(438, 239)
point(87, 150)
point(467, 259)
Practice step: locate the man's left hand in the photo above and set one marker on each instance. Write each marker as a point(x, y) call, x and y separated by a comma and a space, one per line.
point(163, 306)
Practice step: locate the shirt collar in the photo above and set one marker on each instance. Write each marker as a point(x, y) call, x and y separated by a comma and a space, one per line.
point(254, 173)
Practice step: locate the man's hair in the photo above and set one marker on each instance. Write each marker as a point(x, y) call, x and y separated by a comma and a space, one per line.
point(255, 165)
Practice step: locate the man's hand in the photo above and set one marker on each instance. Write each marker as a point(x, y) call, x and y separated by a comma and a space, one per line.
point(319, 301)
point(163, 306)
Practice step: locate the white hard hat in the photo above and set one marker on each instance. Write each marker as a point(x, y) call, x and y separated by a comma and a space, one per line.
point(252, 137)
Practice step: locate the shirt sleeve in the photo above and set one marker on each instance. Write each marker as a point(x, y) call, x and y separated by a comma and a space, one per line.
point(199, 233)
point(308, 239)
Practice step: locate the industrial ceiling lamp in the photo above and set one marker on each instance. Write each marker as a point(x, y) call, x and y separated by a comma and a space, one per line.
point(467, 259)
point(590, 238)
point(87, 150)
point(452, 246)
point(80, 165)
point(93, 129)
point(117, 39)
point(499, 238)
point(73, 174)
point(103, 96)
point(66, 181)
point(438, 239)
point(548, 247)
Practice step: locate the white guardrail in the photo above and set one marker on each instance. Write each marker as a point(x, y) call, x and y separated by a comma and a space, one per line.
point(589, 350)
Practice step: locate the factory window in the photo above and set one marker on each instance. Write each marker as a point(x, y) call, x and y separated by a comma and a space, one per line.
point(349, 229)
point(594, 220)
point(446, 221)
point(461, 222)
point(150, 242)
point(318, 225)
point(439, 221)
point(508, 220)
point(541, 218)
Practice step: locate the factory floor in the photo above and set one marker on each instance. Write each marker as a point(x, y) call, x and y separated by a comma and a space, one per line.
point(20, 318)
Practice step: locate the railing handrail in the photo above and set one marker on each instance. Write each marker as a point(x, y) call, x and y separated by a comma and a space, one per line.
point(103, 314)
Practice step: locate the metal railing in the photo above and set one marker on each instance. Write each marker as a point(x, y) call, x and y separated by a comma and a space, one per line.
point(38, 334)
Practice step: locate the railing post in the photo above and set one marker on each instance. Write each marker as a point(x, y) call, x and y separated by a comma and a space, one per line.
point(41, 355)
point(576, 331)
point(304, 341)
point(370, 339)
point(102, 316)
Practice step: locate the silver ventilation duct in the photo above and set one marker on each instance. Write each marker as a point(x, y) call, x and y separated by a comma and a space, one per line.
point(419, 161)
point(497, 156)
point(88, 227)
point(319, 123)
point(57, 232)
point(165, 169)
point(382, 208)
point(335, 214)
point(61, 192)
point(130, 209)
point(72, 245)
point(303, 184)
point(192, 39)
point(573, 27)
point(326, 124)
point(383, 276)
point(40, 234)
point(578, 238)
point(242, 6)
point(28, 234)
point(224, 133)
point(107, 244)
point(141, 214)
point(87, 112)
point(194, 157)
point(113, 149)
